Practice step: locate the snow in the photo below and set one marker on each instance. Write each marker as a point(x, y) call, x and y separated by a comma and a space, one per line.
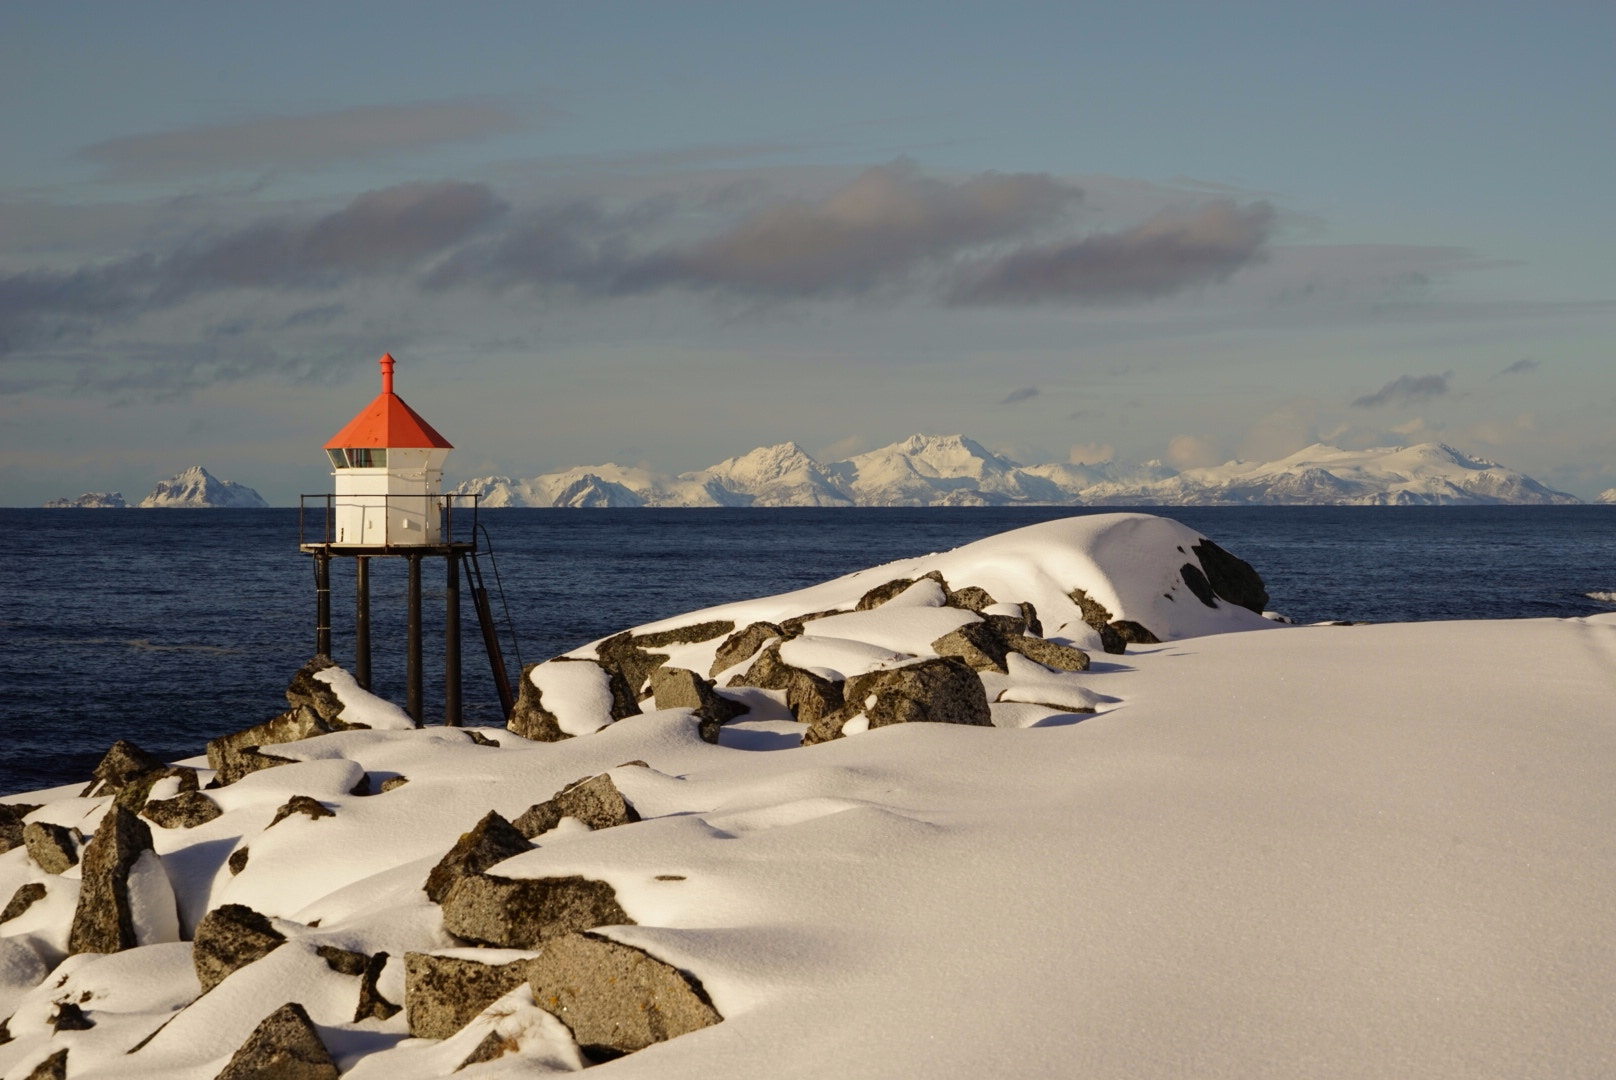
point(360, 706)
point(579, 694)
point(196, 487)
point(1329, 851)
point(953, 470)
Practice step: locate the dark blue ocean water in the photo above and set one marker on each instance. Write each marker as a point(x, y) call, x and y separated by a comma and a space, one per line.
point(171, 627)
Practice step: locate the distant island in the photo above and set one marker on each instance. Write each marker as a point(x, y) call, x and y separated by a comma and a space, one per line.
point(952, 470)
point(192, 489)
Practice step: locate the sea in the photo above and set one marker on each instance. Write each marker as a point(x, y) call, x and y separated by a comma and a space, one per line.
point(171, 627)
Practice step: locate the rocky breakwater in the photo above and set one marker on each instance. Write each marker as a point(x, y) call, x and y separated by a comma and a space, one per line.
point(335, 891)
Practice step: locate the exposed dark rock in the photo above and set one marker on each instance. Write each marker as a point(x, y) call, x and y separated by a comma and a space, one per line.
point(793, 627)
point(882, 593)
point(615, 998)
point(102, 923)
point(971, 598)
point(1231, 577)
point(343, 961)
point(685, 635)
point(137, 790)
point(69, 1016)
point(301, 804)
point(11, 825)
point(237, 755)
point(681, 688)
point(442, 994)
point(622, 655)
point(523, 913)
point(123, 762)
point(305, 689)
point(940, 689)
point(183, 811)
point(286, 1046)
point(372, 1006)
point(477, 737)
point(492, 840)
point(1133, 633)
point(1097, 616)
point(53, 847)
point(393, 783)
point(24, 898)
point(979, 644)
point(531, 720)
point(742, 645)
point(595, 801)
point(361, 786)
point(493, 1047)
point(229, 938)
point(52, 1068)
point(1051, 654)
point(237, 861)
point(808, 696)
point(1198, 584)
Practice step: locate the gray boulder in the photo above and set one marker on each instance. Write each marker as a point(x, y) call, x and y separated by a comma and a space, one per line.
point(52, 1068)
point(939, 690)
point(971, 598)
point(1231, 578)
point(1134, 633)
point(681, 688)
point(102, 922)
point(237, 755)
point(306, 805)
point(229, 938)
point(54, 848)
point(882, 593)
point(24, 898)
point(693, 634)
point(979, 644)
point(742, 645)
point(11, 823)
point(186, 810)
point(808, 696)
point(615, 998)
point(372, 1006)
point(492, 840)
point(135, 793)
point(286, 1046)
point(595, 801)
point(1097, 616)
point(1051, 654)
point(531, 720)
point(442, 994)
point(305, 689)
point(523, 913)
point(123, 763)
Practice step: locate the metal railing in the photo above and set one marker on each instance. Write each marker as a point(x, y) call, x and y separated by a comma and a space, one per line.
point(381, 519)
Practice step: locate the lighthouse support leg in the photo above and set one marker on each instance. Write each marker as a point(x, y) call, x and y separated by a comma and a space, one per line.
point(322, 603)
point(362, 622)
point(412, 690)
point(451, 644)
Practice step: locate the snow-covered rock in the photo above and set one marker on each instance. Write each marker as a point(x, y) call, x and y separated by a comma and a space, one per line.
point(1201, 851)
point(196, 487)
point(1607, 496)
point(952, 470)
point(91, 500)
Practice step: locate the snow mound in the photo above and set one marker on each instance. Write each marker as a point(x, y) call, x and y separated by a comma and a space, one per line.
point(1272, 854)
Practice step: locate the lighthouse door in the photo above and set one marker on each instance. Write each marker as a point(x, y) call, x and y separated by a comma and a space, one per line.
point(375, 525)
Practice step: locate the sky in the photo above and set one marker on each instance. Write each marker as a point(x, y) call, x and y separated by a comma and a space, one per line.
point(665, 234)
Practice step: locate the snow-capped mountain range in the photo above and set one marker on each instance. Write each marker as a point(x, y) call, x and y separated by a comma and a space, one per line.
point(194, 488)
point(952, 470)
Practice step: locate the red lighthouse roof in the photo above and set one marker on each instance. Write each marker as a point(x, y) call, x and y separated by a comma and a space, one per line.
point(387, 421)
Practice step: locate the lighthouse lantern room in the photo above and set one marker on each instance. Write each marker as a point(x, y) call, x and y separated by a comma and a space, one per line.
point(387, 467)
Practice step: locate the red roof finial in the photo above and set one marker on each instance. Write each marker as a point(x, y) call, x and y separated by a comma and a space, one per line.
point(387, 373)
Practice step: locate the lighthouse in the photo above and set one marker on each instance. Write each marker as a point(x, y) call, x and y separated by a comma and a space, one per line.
point(387, 470)
point(387, 502)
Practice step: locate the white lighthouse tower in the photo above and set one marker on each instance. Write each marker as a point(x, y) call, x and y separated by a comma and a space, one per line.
point(388, 475)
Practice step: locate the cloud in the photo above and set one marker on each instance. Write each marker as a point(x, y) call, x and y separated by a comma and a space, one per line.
point(1405, 390)
point(1282, 432)
point(304, 141)
point(1024, 393)
point(1193, 452)
point(386, 231)
point(1172, 251)
point(1521, 367)
point(1091, 454)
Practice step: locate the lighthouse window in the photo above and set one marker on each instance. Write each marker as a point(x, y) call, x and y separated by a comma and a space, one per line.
point(358, 458)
